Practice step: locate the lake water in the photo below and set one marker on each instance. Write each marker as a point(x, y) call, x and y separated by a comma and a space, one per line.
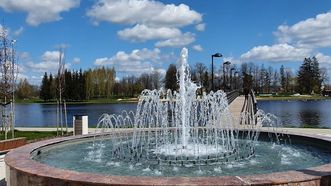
point(314, 113)
point(291, 113)
point(44, 115)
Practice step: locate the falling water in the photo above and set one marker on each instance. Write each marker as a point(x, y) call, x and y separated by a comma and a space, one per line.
point(179, 128)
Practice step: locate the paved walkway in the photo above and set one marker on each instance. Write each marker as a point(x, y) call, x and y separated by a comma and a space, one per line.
point(2, 170)
point(236, 106)
point(310, 131)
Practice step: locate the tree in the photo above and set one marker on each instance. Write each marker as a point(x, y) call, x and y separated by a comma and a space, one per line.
point(206, 80)
point(282, 78)
point(275, 81)
point(170, 80)
point(24, 89)
point(309, 78)
point(317, 80)
point(52, 87)
point(44, 89)
point(247, 83)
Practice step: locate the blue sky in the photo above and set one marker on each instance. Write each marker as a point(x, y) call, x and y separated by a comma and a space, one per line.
point(137, 36)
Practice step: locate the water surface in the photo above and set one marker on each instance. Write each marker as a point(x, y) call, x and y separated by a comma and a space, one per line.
point(268, 158)
point(44, 115)
point(311, 113)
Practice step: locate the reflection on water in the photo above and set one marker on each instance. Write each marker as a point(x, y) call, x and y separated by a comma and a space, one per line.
point(45, 114)
point(310, 118)
point(300, 113)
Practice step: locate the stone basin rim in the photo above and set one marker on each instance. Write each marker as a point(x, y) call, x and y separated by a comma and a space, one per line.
point(19, 161)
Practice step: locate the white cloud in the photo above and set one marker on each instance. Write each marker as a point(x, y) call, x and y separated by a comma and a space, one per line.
point(311, 33)
point(39, 11)
point(200, 27)
point(275, 53)
point(198, 48)
point(152, 13)
point(232, 60)
point(151, 20)
point(76, 60)
point(24, 56)
point(180, 41)
point(323, 59)
point(18, 32)
point(49, 63)
point(143, 33)
point(136, 62)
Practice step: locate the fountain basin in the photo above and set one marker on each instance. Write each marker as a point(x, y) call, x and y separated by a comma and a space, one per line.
point(21, 169)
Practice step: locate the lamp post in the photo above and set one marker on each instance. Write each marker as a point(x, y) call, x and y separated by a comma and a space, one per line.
point(212, 68)
point(226, 66)
point(231, 82)
point(236, 76)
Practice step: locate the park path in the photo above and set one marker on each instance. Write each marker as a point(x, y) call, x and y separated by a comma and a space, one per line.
point(236, 107)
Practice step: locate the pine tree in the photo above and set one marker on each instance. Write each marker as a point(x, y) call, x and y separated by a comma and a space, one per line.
point(44, 93)
point(317, 80)
point(283, 78)
point(309, 77)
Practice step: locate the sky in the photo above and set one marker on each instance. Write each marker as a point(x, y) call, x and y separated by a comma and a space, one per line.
point(138, 36)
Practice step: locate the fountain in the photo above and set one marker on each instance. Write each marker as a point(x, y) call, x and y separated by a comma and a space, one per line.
point(176, 138)
point(179, 128)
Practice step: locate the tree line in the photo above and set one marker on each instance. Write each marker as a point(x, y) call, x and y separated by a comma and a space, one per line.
point(101, 82)
point(96, 83)
point(309, 79)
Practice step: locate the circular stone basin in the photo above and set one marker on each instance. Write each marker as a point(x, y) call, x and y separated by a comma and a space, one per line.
point(74, 160)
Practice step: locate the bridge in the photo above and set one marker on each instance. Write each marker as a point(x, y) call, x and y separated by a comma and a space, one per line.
point(241, 103)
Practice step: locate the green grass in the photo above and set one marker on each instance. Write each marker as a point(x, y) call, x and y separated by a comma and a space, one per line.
point(30, 135)
point(91, 101)
point(293, 98)
point(306, 126)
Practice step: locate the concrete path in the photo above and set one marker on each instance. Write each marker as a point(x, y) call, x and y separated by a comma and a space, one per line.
point(236, 107)
point(310, 131)
point(2, 170)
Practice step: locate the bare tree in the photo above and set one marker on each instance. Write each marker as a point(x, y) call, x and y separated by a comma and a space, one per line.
point(8, 70)
point(61, 104)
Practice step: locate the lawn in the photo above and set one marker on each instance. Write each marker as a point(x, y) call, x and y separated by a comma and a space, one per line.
point(30, 135)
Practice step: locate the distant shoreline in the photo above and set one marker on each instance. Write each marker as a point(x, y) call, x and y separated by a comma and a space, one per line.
point(292, 98)
point(92, 101)
point(135, 100)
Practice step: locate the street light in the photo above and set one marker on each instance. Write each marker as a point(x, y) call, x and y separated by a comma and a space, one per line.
point(231, 82)
point(212, 68)
point(236, 76)
point(226, 66)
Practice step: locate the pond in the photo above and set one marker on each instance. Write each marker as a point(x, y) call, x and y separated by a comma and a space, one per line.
point(311, 113)
point(44, 115)
point(315, 113)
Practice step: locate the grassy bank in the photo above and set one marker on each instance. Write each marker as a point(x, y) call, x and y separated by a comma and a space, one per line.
point(305, 126)
point(30, 135)
point(285, 98)
point(91, 101)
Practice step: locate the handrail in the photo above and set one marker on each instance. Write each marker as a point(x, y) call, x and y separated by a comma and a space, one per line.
point(250, 108)
point(254, 101)
point(232, 96)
